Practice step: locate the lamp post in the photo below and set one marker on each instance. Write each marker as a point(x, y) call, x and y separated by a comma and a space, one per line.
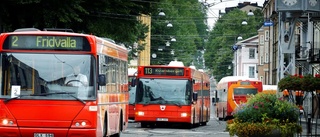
point(162, 41)
point(235, 48)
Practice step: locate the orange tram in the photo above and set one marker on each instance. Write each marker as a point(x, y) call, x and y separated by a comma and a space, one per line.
point(233, 90)
point(36, 98)
point(172, 94)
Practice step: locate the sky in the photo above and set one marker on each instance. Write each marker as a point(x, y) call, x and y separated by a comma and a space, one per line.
point(213, 11)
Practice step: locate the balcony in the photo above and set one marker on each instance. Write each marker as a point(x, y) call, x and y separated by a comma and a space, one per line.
point(314, 55)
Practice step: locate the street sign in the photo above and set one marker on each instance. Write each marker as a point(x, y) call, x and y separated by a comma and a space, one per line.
point(268, 23)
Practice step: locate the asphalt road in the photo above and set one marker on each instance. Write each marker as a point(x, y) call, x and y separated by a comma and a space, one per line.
point(214, 128)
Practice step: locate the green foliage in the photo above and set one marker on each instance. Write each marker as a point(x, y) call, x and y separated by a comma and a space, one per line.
point(264, 113)
point(188, 28)
point(290, 83)
point(219, 55)
point(299, 82)
point(112, 18)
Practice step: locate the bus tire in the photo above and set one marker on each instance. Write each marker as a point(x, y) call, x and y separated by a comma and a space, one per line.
point(105, 125)
point(204, 121)
point(218, 115)
point(224, 117)
point(144, 124)
point(121, 122)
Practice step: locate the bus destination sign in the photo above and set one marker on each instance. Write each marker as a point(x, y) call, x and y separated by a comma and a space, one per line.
point(164, 71)
point(46, 42)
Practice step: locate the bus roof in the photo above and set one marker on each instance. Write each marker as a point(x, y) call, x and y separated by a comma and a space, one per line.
point(101, 46)
point(235, 78)
point(176, 63)
point(270, 87)
point(46, 33)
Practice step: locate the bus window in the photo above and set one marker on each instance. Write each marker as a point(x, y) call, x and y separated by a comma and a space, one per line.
point(165, 91)
point(245, 91)
point(43, 75)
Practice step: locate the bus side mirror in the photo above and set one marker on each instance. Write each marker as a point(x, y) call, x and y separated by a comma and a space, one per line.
point(195, 96)
point(133, 82)
point(102, 80)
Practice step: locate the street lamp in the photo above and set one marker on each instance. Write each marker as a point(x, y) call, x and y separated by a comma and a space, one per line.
point(244, 22)
point(154, 55)
point(250, 13)
point(173, 39)
point(161, 13)
point(235, 49)
point(169, 24)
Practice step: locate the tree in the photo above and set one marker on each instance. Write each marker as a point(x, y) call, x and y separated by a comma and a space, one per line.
point(104, 18)
point(188, 28)
point(115, 19)
point(219, 54)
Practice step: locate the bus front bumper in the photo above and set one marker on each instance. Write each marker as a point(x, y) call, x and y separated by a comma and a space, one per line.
point(45, 132)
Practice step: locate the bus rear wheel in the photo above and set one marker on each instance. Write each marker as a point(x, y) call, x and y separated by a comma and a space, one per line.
point(105, 125)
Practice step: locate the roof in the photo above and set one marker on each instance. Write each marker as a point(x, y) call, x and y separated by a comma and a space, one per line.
point(131, 71)
point(242, 5)
point(236, 78)
point(249, 41)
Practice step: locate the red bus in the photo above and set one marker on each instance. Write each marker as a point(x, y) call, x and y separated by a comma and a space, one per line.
point(172, 94)
point(56, 84)
point(132, 73)
point(233, 90)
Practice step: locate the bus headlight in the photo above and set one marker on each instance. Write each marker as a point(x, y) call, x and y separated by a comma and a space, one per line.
point(140, 113)
point(184, 114)
point(83, 123)
point(7, 122)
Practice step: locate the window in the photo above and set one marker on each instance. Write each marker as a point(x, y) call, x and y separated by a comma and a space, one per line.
point(261, 60)
point(261, 39)
point(266, 58)
point(266, 34)
point(251, 72)
point(252, 53)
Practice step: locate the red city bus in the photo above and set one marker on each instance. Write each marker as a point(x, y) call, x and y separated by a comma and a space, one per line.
point(172, 94)
point(56, 84)
point(233, 90)
point(132, 73)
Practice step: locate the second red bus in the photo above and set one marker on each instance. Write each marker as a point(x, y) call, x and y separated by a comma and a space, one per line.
point(172, 94)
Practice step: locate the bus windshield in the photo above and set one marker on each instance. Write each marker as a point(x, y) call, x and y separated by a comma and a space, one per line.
point(46, 76)
point(163, 91)
point(245, 91)
point(132, 95)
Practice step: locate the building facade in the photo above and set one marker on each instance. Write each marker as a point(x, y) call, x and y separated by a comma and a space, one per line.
point(246, 58)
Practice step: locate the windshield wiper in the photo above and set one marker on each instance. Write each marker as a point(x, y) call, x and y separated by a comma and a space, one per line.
point(177, 104)
point(68, 93)
point(45, 94)
point(146, 103)
point(8, 99)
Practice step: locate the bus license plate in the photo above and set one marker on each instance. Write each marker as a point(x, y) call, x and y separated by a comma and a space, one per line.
point(43, 135)
point(162, 119)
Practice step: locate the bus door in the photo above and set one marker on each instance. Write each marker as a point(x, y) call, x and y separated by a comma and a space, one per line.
point(201, 99)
